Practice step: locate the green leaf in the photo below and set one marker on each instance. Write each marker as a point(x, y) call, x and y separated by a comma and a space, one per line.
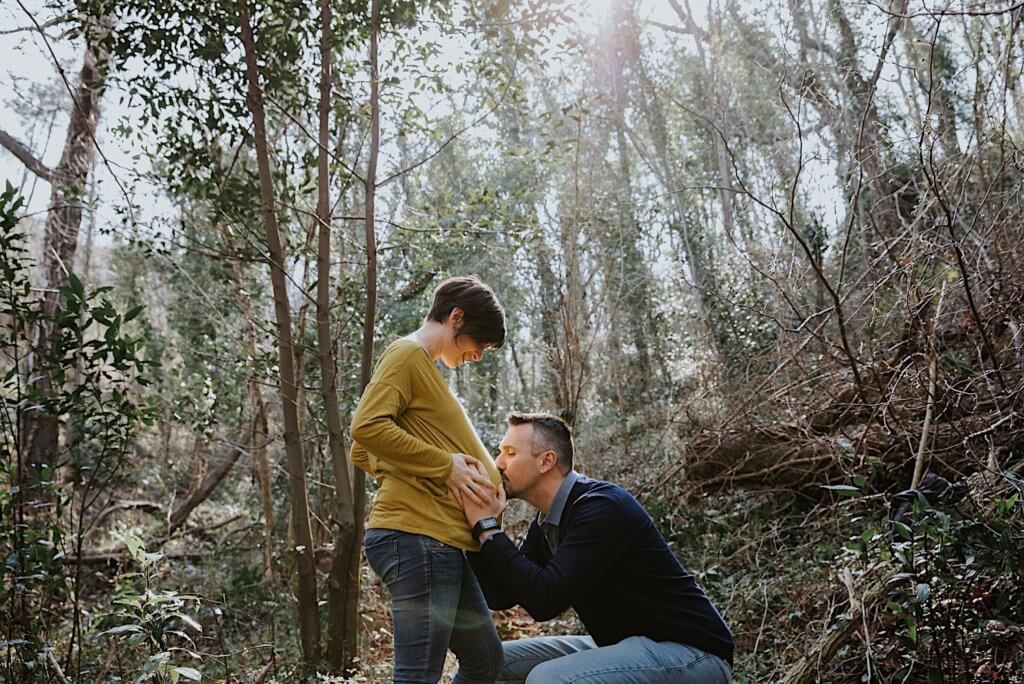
point(190, 673)
point(76, 285)
point(1005, 506)
point(189, 621)
point(904, 530)
point(843, 490)
point(135, 548)
point(155, 663)
point(133, 312)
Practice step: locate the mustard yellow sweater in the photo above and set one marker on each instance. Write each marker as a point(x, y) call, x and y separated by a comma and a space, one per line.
point(405, 429)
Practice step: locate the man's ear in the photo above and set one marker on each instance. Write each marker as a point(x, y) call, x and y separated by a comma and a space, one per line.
point(548, 461)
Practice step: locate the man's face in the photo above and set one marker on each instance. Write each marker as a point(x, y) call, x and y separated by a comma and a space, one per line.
point(519, 467)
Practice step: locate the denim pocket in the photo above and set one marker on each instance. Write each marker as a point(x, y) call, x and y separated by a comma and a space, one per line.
point(381, 547)
point(434, 545)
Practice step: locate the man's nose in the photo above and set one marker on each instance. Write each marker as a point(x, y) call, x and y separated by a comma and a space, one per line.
point(500, 461)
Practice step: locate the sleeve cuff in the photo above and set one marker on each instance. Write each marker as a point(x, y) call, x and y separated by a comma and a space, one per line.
point(448, 460)
point(495, 549)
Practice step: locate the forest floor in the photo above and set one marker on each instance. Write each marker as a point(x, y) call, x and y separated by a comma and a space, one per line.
point(769, 568)
point(787, 571)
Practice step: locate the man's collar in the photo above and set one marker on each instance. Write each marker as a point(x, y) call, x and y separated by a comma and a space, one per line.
point(554, 516)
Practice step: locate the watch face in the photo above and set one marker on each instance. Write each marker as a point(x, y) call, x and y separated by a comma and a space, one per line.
point(485, 525)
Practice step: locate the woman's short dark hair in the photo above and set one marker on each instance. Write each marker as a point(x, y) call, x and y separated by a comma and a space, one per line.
point(483, 318)
point(549, 432)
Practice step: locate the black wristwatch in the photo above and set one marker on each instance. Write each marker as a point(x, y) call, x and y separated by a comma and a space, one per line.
point(485, 525)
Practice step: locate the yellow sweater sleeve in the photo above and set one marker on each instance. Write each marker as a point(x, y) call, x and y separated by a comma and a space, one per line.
point(360, 458)
point(374, 426)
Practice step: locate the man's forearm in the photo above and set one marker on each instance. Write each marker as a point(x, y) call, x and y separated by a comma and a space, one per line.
point(496, 597)
point(524, 581)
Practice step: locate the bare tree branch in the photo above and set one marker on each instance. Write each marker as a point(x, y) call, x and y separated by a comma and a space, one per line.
point(939, 12)
point(455, 135)
point(25, 156)
point(675, 29)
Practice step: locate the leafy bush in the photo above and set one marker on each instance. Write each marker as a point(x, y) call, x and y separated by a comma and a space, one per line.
point(94, 370)
point(152, 622)
point(959, 595)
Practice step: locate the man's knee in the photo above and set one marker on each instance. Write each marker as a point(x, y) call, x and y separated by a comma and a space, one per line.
point(550, 672)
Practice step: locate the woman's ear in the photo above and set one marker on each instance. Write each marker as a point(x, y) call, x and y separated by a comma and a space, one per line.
point(456, 317)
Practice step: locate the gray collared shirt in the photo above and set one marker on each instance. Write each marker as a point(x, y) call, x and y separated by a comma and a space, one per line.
point(549, 523)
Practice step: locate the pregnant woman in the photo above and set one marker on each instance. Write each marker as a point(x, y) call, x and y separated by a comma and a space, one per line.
point(413, 436)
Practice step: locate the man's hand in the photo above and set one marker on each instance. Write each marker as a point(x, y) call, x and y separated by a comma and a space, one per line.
point(492, 507)
point(468, 480)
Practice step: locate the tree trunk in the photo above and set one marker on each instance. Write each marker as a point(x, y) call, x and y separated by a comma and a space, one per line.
point(697, 259)
point(301, 319)
point(261, 465)
point(370, 194)
point(308, 611)
point(559, 357)
point(366, 365)
point(866, 128)
point(369, 202)
point(342, 594)
point(630, 277)
point(714, 108)
point(90, 229)
point(258, 429)
point(69, 183)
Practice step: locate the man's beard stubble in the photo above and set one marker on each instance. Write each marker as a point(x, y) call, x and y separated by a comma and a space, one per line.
point(509, 493)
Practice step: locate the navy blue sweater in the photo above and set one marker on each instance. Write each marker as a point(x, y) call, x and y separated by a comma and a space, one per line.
point(612, 566)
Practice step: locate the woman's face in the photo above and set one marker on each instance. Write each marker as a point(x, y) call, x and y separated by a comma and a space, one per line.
point(460, 350)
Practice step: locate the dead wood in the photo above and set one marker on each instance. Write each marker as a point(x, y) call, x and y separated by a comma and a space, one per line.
point(209, 483)
point(147, 506)
point(807, 670)
point(793, 457)
point(115, 557)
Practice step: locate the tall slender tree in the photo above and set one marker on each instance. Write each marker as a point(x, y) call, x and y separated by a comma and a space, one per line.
point(343, 585)
point(307, 604)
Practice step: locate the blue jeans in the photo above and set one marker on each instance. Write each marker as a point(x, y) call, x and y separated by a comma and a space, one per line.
point(436, 604)
point(636, 660)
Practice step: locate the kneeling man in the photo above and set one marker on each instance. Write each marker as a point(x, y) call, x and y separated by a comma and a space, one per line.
point(592, 547)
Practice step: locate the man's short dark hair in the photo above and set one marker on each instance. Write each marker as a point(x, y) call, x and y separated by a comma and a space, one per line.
point(483, 317)
point(549, 433)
